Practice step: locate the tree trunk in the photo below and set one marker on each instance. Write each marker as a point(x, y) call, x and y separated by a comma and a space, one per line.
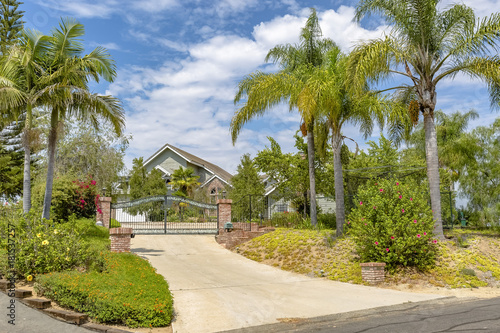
point(312, 173)
point(51, 151)
point(339, 183)
point(27, 172)
point(27, 160)
point(431, 152)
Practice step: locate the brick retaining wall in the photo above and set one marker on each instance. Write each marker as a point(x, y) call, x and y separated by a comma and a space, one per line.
point(373, 272)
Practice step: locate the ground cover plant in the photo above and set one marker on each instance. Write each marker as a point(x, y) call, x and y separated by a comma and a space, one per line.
point(467, 262)
point(128, 292)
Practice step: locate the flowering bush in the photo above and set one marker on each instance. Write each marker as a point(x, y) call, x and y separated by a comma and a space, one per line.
point(393, 223)
point(41, 246)
point(69, 196)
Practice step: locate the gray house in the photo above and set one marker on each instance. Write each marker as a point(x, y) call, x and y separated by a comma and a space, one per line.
point(169, 158)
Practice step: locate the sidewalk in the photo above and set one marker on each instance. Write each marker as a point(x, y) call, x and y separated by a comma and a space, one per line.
point(216, 290)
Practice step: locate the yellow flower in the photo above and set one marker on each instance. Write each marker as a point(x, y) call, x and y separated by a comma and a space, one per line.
point(12, 233)
point(45, 242)
point(67, 249)
point(38, 235)
point(29, 278)
point(67, 259)
point(56, 232)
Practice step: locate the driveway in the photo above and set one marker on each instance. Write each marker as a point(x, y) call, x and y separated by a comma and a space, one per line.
point(216, 290)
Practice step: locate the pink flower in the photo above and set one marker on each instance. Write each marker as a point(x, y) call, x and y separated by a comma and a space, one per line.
point(414, 221)
point(87, 186)
point(361, 202)
point(402, 210)
point(376, 243)
point(411, 199)
point(425, 234)
point(374, 207)
point(82, 201)
point(397, 183)
point(400, 197)
point(418, 236)
point(392, 237)
point(365, 223)
point(381, 190)
point(435, 241)
point(387, 249)
point(93, 182)
point(348, 222)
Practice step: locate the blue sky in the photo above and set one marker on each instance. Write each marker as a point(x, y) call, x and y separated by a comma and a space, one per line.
point(179, 62)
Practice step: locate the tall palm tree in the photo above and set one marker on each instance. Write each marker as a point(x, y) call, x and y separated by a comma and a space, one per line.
point(67, 76)
point(21, 92)
point(266, 90)
point(425, 46)
point(340, 106)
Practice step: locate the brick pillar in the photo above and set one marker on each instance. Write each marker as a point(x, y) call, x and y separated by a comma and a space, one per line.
point(105, 216)
point(373, 272)
point(120, 239)
point(224, 212)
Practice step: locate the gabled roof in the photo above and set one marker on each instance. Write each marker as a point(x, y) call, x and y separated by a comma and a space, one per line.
point(212, 168)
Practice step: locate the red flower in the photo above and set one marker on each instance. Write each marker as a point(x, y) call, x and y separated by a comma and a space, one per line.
point(93, 182)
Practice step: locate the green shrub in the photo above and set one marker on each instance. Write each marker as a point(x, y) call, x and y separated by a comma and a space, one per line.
point(114, 224)
point(327, 220)
point(128, 292)
point(393, 223)
point(69, 196)
point(42, 246)
point(286, 219)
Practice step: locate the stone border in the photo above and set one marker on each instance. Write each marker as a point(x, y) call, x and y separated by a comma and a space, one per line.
point(44, 305)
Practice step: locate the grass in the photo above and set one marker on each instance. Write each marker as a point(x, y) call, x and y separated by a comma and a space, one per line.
point(129, 292)
point(472, 262)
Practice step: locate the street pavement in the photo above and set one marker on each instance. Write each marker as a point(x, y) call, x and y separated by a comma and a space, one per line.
point(29, 320)
point(448, 315)
point(216, 290)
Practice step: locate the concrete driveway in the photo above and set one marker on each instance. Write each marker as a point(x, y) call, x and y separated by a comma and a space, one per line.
point(216, 290)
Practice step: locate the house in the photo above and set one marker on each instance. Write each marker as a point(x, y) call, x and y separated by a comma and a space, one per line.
point(169, 158)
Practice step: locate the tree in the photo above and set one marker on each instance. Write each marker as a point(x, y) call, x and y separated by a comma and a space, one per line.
point(454, 153)
point(70, 73)
point(11, 176)
point(246, 183)
point(480, 180)
point(425, 46)
point(264, 91)
point(11, 23)
point(184, 181)
point(85, 151)
point(340, 106)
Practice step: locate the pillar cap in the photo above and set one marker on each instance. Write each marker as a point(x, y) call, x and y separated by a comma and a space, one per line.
point(105, 199)
point(120, 231)
point(224, 201)
point(372, 264)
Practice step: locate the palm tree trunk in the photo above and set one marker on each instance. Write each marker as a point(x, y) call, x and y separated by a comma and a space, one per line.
point(312, 173)
point(339, 183)
point(27, 172)
point(431, 152)
point(47, 199)
point(27, 160)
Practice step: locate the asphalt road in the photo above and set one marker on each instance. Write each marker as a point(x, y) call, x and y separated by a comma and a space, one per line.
point(450, 315)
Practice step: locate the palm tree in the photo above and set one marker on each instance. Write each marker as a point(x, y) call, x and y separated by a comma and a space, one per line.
point(21, 92)
point(264, 91)
point(339, 106)
point(184, 180)
point(425, 46)
point(67, 76)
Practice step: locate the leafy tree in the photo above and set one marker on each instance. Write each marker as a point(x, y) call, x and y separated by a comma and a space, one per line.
point(246, 185)
point(11, 176)
point(480, 180)
point(425, 46)
point(11, 23)
point(184, 181)
point(143, 184)
point(266, 90)
point(85, 151)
